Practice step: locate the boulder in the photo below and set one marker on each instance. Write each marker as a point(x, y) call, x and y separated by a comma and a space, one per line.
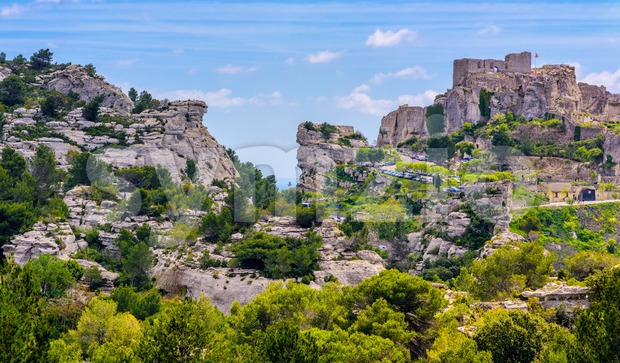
point(222, 286)
point(500, 240)
point(4, 72)
point(348, 272)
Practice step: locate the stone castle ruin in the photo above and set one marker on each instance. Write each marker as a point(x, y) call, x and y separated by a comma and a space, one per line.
point(514, 62)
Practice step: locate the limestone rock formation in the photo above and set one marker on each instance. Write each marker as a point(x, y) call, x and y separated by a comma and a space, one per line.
point(222, 286)
point(76, 79)
point(499, 241)
point(84, 212)
point(511, 86)
point(402, 124)
point(53, 239)
point(611, 147)
point(551, 89)
point(348, 272)
point(168, 137)
point(317, 154)
point(180, 136)
point(555, 294)
point(598, 102)
point(457, 223)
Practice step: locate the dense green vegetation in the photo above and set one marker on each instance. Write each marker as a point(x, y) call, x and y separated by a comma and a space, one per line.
point(585, 227)
point(391, 317)
point(373, 155)
point(508, 270)
point(28, 191)
point(279, 257)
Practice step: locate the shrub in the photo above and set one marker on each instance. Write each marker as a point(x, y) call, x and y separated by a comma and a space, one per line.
point(485, 103)
point(93, 278)
point(309, 126)
point(327, 129)
point(91, 110)
point(305, 217)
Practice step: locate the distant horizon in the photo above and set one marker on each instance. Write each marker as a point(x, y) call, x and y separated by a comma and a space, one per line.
point(265, 67)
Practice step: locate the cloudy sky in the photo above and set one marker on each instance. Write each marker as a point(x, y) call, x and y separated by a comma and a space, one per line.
point(265, 67)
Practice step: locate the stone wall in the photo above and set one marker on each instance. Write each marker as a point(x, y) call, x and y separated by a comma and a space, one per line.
point(514, 62)
point(519, 62)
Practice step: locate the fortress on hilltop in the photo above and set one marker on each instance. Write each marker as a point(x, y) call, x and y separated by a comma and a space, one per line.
point(513, 62)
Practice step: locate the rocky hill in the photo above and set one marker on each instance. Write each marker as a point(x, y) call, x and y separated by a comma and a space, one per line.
point(484, 88)
point(168, 136)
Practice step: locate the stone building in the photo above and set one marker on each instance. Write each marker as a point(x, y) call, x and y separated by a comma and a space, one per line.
point(514, 62)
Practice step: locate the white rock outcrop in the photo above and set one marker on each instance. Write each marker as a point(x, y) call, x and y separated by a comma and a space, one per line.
point(178, 135)
point(76, 79)
point(54, 239)
point(317, 154)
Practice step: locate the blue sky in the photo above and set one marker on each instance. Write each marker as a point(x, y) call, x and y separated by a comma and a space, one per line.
point(265, 67)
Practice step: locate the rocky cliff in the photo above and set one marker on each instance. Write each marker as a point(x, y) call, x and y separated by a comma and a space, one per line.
point(168, 137)
point(598, 102)
point(319, 152)
point(549, 90)
point(402, 124)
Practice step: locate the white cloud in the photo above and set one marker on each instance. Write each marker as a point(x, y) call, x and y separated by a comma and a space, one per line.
point(325, 56)
point(490, 29)
point(223, 98)
point(424, 99)
point(11, 10)
point(290, 60)
point(178, 51)
point(49, 1)
point(359, 100)
point(389, 38)
point(414, 73)
point(231, 69)
point(273, 98)
point(605, 78)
